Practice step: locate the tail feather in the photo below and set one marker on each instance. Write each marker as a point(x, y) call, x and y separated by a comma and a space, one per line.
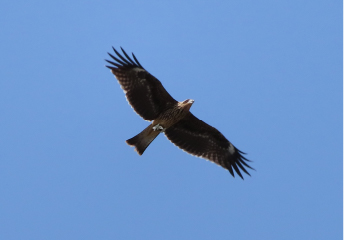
point(142, 140)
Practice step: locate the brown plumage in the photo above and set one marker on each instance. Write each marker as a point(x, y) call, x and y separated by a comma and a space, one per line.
point(152, 102)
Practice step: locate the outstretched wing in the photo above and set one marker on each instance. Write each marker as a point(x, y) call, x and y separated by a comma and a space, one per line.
point(200, 139)
point(144, 92)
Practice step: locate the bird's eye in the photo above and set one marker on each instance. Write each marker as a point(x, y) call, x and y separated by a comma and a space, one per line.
point(187, 100)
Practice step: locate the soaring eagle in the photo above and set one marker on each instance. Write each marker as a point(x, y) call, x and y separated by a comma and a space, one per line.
point(152, 102)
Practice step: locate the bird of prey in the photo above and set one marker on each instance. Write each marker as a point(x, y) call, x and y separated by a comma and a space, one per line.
point(152, 102)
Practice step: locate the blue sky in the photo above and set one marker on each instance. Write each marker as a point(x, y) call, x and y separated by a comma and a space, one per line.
point(267, 74)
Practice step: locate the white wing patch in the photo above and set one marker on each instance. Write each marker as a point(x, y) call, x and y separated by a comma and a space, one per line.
point(138, 69)
point(231, 149)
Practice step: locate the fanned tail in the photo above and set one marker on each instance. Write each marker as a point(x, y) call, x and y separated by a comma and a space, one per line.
point(142, 140)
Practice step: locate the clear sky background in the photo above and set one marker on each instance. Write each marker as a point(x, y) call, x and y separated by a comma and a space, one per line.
point(267, 74)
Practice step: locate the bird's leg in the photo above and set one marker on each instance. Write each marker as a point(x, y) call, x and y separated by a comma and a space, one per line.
point(158, 127)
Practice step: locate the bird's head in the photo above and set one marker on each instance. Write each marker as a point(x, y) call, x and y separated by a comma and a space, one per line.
point(187, 103)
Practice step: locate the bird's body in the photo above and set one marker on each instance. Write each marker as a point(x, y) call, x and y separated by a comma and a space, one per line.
point(152, 102)
point(164, 121)
point(174, 114)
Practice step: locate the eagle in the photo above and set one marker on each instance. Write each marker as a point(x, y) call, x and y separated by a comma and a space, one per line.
point(153, 103)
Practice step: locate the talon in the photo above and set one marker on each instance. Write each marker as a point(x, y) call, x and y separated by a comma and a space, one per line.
point(158, 127)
